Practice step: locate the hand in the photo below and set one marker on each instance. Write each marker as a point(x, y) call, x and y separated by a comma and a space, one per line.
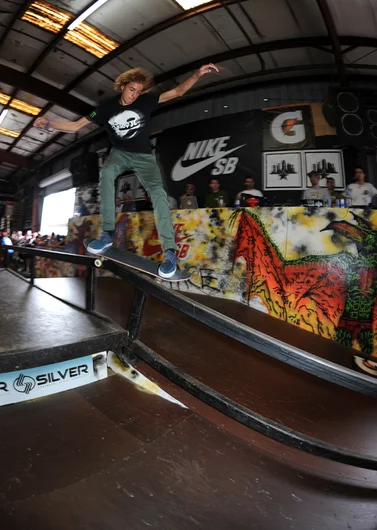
point(40, 123)
point(207, 69)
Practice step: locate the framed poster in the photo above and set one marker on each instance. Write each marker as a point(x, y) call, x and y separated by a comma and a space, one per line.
point(282, 170)
point(328, 164)
point(130, 185)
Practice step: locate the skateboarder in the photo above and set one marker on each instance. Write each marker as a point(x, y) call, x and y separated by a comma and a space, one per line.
point(126, 118)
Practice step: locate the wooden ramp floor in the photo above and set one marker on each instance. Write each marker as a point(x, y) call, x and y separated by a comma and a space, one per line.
point(109, 456)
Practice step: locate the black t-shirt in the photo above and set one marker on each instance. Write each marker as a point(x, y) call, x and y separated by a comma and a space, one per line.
point(127, 125)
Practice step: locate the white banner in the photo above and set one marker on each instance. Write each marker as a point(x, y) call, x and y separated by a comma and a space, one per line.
point(42, 381)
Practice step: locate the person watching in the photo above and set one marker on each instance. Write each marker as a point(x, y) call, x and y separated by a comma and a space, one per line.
point(217, 198)
point(190, 191)
point(315, 193)
point(330, 185)
point(249, 185)
point(360, 192)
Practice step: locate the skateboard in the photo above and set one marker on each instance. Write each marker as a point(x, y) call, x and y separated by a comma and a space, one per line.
point(128, 259)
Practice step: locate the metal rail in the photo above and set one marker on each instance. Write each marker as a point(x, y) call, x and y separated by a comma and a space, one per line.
point(277, 349)
point(67, 257)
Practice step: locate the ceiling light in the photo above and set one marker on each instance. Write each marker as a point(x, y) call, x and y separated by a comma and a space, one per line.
point(265, 99)
point(24, 107)
point(3, 114)
point(52, 19)
point(47, 16)
point(19, 105)
point(205, 110)
point(86, 13)
point(92, 40)
point(188, 4)
point(225, 106)
point(7, 132)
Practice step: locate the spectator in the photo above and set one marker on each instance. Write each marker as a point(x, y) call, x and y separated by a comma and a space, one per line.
point(315, 193)
point(331, 187)
point(6, 240)
point(118, 205)
point(361, 192)
point(128, 204)
point(190, 191)
point(249, 185)
point(217, 198)
point(83, 210)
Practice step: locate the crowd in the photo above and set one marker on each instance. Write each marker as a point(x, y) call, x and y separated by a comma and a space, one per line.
point(28, 238)
point(25, 239)
point(217, 197)
point(359, 193)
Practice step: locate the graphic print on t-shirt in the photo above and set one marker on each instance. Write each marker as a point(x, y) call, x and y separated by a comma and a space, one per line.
point(126, 124)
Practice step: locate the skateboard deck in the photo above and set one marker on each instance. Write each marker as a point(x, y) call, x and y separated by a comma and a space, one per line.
point(128, 259)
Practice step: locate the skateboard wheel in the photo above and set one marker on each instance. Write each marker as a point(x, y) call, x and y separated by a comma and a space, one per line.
point(98, 262)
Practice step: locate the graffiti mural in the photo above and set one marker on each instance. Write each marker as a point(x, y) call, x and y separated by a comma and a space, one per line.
point(312, 267)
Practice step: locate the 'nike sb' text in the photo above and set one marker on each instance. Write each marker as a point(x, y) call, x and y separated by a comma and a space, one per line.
point(205, 148)
point(212, 151)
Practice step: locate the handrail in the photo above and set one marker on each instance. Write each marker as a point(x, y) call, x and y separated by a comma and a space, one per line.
point(251, 419)
point(58, 255)
point(64, 256)
point(255, 339)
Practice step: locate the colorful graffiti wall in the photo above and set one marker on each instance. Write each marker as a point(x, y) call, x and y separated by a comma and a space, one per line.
point(312, 267)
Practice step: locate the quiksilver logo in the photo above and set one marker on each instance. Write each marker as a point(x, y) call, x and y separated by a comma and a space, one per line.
point(212, 151)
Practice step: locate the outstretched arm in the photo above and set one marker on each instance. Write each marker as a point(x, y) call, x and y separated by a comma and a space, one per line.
point(181, 89)
point(66, 126)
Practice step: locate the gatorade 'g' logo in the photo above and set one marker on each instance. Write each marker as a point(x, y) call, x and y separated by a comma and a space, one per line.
point(289, 128)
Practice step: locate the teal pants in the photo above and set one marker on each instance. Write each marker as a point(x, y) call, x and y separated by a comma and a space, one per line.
point(147, 171)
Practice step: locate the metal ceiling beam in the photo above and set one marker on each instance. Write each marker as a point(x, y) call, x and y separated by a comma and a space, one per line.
point(275, 71)
point(14, 159)
point(18, 14)
point(335, 41)
point(349, 49)
point(264, 47)
point(59, 97)
point(44, 90)
point(55, 41)
point(66, 100)
point(147, 34)
point(197, 97)
point(243, 31)
point(166, 24)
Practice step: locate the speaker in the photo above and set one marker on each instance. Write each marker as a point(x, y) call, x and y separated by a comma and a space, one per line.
point(84, 170)
point(356, 116)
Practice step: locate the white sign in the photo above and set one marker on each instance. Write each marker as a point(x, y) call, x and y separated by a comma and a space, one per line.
point(288, 128)
point(328, 164)
point(282, 170)
point(51, 379)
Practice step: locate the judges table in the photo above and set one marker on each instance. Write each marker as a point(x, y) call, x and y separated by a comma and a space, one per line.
point(312, 267)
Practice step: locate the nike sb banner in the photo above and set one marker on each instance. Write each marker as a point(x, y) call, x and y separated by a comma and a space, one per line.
point(227, 148)
point(288, 128)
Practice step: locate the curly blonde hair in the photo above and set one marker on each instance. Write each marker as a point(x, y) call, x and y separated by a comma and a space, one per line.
point(136, 75)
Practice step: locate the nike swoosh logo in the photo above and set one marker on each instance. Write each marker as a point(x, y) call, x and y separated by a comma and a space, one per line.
point(180, 173)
